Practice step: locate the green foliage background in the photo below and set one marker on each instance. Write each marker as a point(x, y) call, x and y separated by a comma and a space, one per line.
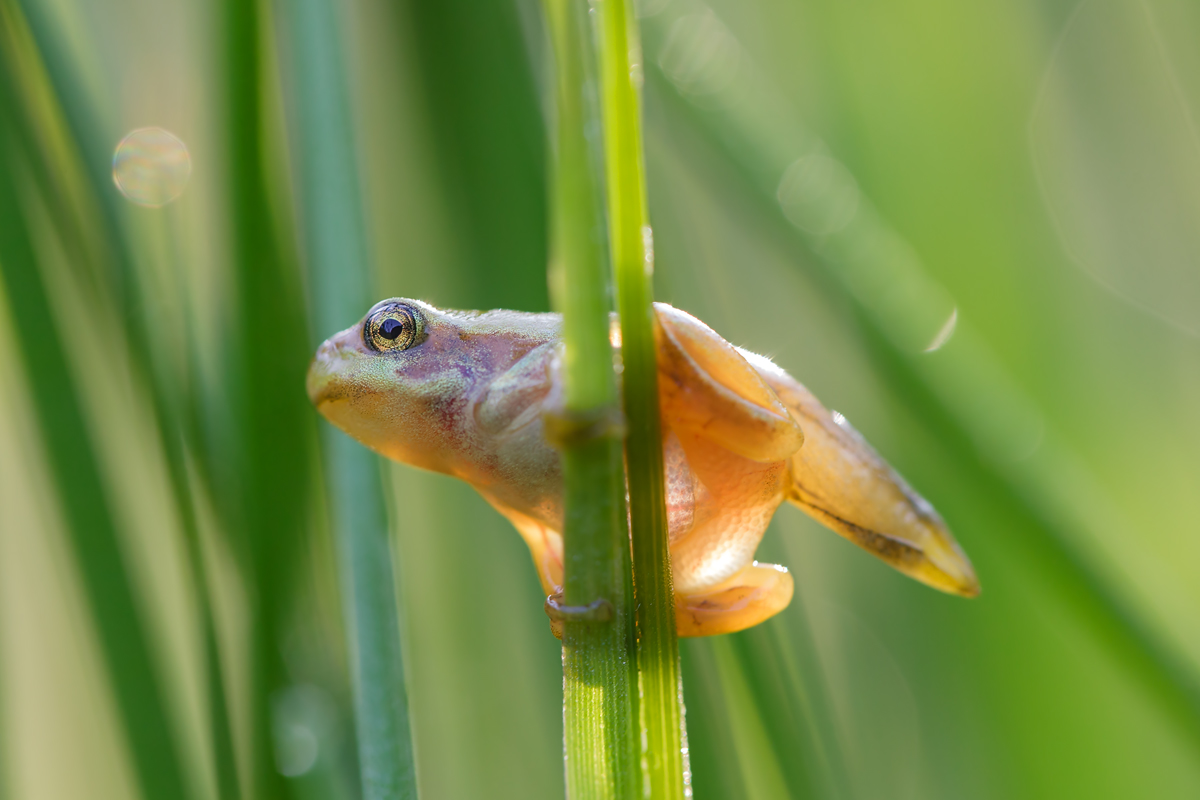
point(1032, 166)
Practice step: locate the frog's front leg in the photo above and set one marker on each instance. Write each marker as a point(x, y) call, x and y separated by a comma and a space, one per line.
point(758, 592)
point(545, 544)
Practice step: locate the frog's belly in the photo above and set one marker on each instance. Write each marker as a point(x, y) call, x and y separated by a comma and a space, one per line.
point(718, 504)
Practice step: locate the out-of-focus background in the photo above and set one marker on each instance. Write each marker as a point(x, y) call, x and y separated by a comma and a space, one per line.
point(972, 228)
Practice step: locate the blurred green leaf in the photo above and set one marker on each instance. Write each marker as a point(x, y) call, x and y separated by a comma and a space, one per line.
point(271, 440)
point(488, 135)
point(715, 775)
point(81, 491)
point(761, 767)
point(341, 291)
point(486, 675)
point(749, 694)
point(975, 409)
point(169, 403)
point(801, 737)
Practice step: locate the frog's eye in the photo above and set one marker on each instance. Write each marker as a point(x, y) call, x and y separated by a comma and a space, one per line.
point(394, 327)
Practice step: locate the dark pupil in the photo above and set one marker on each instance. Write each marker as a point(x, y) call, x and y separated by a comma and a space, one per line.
point(391, 328)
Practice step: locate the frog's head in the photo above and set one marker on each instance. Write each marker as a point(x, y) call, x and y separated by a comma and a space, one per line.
point(406, 379)
point(393, 379)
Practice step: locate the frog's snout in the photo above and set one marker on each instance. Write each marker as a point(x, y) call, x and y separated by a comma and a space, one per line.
point(326, 369)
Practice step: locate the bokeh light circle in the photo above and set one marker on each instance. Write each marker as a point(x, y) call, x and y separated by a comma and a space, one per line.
point(151, 167)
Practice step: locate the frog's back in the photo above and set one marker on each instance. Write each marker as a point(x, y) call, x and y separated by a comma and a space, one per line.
point(504, 323)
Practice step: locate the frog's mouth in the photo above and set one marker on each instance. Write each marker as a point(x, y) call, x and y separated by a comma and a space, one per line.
point(325, 382)
point(326, 395)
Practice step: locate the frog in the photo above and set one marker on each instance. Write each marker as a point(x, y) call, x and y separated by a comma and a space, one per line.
point(473, 395)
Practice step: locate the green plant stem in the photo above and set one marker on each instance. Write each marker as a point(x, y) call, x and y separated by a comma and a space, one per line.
point(599, 687)
point(633, 264)
point(340, 281)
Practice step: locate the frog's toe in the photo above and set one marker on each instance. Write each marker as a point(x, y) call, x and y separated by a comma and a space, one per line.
point(556, 620)
point(598, 611)
point(757, 593)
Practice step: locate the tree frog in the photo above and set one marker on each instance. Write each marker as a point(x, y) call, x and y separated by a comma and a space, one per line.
point(466, 394)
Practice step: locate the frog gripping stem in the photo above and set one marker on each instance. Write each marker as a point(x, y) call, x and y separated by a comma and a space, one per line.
point(600, 610)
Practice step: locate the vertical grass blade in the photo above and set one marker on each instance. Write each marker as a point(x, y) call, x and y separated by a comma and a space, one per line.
point(633, 263)
point(796, 724)
point(487, 137)
point(270, 437)
point(599, 687)
point(716, 775)
point(340, 281)
point(735, 755)
point(761, 767)
point(89, 521)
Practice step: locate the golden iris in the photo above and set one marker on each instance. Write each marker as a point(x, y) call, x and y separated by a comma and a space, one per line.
point(392, 328)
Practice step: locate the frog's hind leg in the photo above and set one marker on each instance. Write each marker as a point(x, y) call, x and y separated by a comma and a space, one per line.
point(839, 479)
point(758, 592)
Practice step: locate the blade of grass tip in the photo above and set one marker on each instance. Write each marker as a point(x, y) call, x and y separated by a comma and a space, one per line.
point(93, 533)
point(964, 393)
point(599, 667)
point(340, 280)
point(661, 709)
point(83, 133)
point(271, 443)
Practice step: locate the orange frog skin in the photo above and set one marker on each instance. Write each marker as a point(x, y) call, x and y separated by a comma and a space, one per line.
point(464, 393)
